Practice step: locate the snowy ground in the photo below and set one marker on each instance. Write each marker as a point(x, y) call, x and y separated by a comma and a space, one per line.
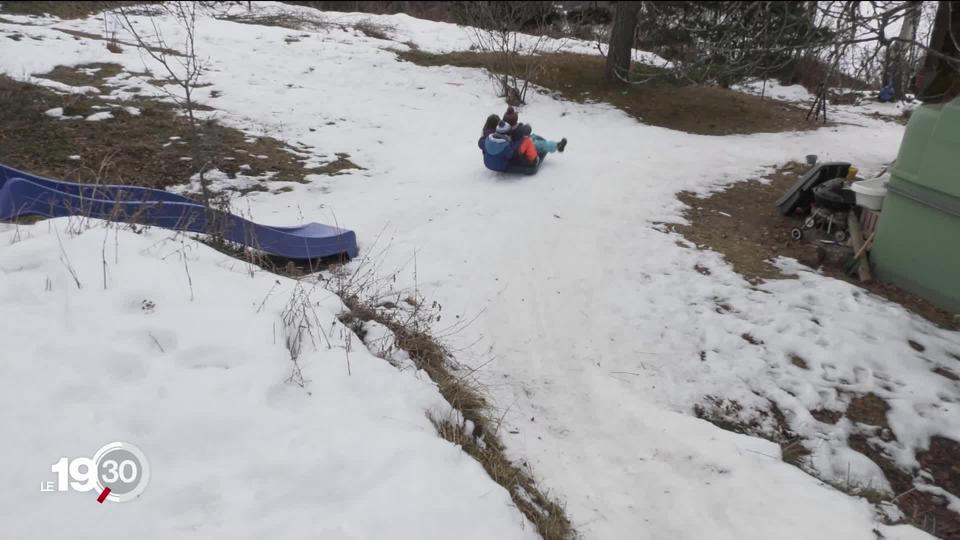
point(194, 372)
point(596, 333)
point(868, 104)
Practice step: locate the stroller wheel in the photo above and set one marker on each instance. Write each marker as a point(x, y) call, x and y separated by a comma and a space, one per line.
point(840, 235)
point(809, 223)
point(796, 234)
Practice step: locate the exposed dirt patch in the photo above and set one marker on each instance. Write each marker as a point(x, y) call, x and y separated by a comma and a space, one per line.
point(941, 459)
point(113, 43)
point(743, 224)
point(916, 346)
point(827, 416)
point(64, 10)
point(725, 414)
point(798, 361)
point(869, 409)
point(706, 110)
point(337, 166)
point(923, 510)
point(944, 372)
point(94, 74)
point(150, 149)
point(373, 30)
point(290, 21)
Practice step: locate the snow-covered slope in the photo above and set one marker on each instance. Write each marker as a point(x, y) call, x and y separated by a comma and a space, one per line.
point(590, 320)
point(181, 351)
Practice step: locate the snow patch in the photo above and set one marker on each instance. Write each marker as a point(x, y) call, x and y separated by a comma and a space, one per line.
point(100, 116)
point(63, 88)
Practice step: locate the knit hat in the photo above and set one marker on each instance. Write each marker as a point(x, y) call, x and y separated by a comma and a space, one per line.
point(503, 127)
point(511, 116)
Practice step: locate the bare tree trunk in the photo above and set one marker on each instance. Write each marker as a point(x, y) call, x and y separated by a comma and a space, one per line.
point(621, 41)
point(898, 51)
point(941, 69)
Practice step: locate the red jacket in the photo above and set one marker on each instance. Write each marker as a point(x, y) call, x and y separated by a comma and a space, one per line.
point(528, 150)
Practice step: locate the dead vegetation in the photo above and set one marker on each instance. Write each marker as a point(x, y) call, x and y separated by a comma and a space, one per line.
point(93, 74)
point(869, 409)
point(63, 10)
point(480, 440)
point(374, 30)
point(798, 361)
point(926, 511)
point(290, 21)
point(665, 102)
point(113, 44)
point(337, 166)
point(770, 424)
point(301, 21)
point(921, 508)
point(371, 298)
point(148, 149)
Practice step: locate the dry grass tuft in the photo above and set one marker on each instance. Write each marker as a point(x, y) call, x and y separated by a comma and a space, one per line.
point(337, 166)
point(549, 518)
point(798, 361)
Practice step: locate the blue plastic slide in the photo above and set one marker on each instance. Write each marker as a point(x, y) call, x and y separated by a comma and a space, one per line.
point(23, 194)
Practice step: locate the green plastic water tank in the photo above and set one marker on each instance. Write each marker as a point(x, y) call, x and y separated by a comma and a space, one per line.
point(917, 246)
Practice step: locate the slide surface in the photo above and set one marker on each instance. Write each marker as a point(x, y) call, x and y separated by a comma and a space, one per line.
point(23, 194)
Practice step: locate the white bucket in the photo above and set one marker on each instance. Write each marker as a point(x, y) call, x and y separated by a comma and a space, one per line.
point(870, 193)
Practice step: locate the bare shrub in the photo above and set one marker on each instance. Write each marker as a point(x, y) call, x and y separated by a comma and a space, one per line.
point(184, 67)
point(515, 32)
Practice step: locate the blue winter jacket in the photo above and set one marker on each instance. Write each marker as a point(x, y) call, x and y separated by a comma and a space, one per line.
point(497, 151)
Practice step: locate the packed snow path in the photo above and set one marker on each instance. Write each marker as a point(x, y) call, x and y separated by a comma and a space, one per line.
point(594, 317)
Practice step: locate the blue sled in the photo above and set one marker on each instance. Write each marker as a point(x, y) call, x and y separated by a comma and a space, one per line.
point(23, 194)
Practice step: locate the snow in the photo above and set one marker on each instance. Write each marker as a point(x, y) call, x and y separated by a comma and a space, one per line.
point(64, 88)
point(774, 89)
point(218, 181)
point(953, 501)
point(235, 451)
point(589, 331)
point(868, 104)
point(57, 112)
point(97, 117)
point(436, 37)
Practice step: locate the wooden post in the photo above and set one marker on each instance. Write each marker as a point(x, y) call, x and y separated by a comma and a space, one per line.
point(856, 241)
